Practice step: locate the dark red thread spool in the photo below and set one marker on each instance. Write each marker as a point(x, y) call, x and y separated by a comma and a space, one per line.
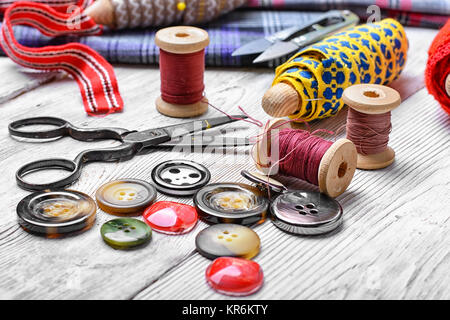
point(281, 149)
point(182, 66)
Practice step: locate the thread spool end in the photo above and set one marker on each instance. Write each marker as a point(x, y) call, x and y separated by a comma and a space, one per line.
point(102, 12)
point(371, 98)
point(281, 100)
point(182, 110)
point(262, 152)
point(337, 168)
point(376, 161)
point(182, 39)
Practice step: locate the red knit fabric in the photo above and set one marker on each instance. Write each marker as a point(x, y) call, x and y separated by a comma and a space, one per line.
point(438, 66)
point(94, 75)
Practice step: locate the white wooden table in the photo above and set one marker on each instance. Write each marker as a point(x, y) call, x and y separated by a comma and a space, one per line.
point(394, 243)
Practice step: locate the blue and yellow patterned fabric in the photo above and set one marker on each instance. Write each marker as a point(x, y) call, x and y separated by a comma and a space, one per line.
point(370, 53)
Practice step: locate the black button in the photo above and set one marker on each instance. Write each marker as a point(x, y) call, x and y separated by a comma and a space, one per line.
point(180, 177)
point(231, 203)
point(306, 212)
point(55, 213)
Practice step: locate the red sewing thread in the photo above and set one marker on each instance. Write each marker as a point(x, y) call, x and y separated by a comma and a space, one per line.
point(301, 153)
point(182, 77)
point(369, 132)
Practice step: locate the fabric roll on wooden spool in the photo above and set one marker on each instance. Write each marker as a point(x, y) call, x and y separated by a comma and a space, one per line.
point(122, 14)
point(310, 84)
point(332, 175)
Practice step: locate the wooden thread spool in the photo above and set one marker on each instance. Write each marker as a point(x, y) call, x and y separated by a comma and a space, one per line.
point(336, 169)
point(281, 100)
point(182, 40)
point(373, 99)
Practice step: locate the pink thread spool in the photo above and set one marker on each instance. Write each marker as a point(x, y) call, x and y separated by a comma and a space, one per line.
point(336, 168)
point(372, 120)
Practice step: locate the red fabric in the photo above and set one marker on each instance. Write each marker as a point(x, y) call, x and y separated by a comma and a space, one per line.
point(95, 76)
point(438, 66)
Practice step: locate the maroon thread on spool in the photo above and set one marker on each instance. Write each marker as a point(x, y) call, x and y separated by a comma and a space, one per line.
point(369, 132)
point(182, 77)
point(301, 153)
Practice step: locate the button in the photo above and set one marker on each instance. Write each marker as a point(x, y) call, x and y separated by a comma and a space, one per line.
point(180, 177)
point(55, 213)
point(171, 217)
point(231, 203)
point(227, 239)
point(125, 197)
point(125, 233)
point(234, 276)
point(306, 212)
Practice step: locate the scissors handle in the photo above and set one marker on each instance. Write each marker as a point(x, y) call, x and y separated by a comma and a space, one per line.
point(122, 152)
point(63, 128)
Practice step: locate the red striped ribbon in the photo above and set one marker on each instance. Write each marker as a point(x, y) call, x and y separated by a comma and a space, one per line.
point(94, 75)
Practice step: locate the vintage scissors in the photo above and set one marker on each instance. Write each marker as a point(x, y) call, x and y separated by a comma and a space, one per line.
point(133, 143)
point(290, 40)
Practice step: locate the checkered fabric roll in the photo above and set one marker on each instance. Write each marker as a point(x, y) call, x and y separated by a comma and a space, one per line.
point(370, 53)
point(418, 13)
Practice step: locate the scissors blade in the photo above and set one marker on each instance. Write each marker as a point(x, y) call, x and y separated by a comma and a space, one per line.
point(179, 130)
point(253, 47)
point(276, 51)
point(259, 45)
point(318, 29)
point(206, 141)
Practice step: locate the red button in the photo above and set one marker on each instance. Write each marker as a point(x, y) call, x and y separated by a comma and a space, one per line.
point(171, 217)
point(234, 276)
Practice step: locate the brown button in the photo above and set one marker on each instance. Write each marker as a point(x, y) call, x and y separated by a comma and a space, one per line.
point(125, 197)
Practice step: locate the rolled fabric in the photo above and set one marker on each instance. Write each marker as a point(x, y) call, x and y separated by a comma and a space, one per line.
point(310, 84)
point(437, 72)
point(122, 14)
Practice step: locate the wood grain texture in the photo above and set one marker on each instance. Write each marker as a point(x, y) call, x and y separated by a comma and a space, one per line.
point(393, 244)
point(15, 80)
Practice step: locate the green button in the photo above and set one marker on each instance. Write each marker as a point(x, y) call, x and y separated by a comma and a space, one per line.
point(125, 233)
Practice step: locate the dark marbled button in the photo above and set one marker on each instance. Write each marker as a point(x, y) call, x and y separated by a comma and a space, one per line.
point(125, 197)
point(231, 203)
point(125, 233)
point(228, 239)
point(306, 212)
point(56, 213)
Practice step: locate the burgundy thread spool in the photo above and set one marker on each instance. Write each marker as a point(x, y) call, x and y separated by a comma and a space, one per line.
point(369, 123)
point(331, 169)
point(182, 66)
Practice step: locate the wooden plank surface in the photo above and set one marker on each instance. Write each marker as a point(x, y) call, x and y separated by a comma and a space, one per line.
point(393, 244)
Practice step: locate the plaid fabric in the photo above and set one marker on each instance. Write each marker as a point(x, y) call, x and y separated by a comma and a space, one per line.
point(138, 47)
point(419, 13)
point(232, 30)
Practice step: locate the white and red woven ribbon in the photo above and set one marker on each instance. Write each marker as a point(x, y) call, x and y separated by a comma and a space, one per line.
point(94, 75)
